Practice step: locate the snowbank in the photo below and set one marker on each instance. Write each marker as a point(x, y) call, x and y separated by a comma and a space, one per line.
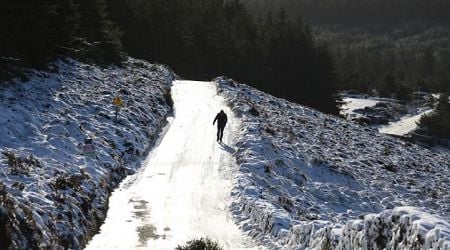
point(400, 228)
point(51, 194)
point(310, 180)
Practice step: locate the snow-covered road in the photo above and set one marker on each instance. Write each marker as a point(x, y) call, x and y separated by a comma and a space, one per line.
point(183, 190)
point(405, 125)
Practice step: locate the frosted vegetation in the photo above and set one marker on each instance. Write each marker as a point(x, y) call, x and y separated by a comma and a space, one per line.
point(50, 193)
point(310, 180)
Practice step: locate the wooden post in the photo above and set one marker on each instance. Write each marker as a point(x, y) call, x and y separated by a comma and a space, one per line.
point(117, 112)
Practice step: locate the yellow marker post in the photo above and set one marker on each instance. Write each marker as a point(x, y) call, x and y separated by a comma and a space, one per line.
point(118, 102)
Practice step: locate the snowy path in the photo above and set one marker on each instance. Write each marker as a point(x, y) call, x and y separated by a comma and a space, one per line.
point(183, 190)
point(405, 125)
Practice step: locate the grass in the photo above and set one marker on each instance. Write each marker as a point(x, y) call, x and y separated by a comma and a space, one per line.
point(200, 244)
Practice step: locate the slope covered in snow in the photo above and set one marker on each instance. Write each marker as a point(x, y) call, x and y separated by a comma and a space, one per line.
point(52, 195)
point(310, 180)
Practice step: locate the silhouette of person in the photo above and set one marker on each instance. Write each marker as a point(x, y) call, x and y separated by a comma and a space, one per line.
point(221, 119)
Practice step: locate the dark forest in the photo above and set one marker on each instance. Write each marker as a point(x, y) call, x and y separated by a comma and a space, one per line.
point(304, 51)
point(199, 39)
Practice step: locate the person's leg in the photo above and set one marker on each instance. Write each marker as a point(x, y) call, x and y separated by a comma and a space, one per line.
point(218, 132)
point(221, 132)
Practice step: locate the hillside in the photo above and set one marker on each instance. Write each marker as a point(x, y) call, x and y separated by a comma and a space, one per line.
point(310, 180)
point(393, 58)
point(304, 179)
point(53, 193)
point(392, 47)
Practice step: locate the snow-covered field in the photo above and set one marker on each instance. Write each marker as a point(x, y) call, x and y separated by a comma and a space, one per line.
point(309, 180)
point(350, 104)
point(51, 195)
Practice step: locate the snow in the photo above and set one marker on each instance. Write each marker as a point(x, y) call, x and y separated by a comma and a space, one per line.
point(313, 181)
point(401, 125)
point(405, 125)
point(53, 196)
point(350, 104)
point(400, 228)
point(289, 176)
point(183, 191)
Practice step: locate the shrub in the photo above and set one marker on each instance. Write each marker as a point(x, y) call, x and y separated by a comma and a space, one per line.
point(64, 182)
point(285, 202)
point(403, 92)
point(270, 131)
point(200, 244)
point(438, 121)
point(390, 167)
point(254, 111)
point(168, 98)
point(21, 165)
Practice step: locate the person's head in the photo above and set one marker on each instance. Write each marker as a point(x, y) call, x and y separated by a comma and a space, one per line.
point(221, 111)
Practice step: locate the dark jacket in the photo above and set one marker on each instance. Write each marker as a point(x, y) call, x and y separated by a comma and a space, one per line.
point(221, 119)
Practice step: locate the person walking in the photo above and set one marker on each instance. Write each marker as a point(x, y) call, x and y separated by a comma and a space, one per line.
point(221, 119)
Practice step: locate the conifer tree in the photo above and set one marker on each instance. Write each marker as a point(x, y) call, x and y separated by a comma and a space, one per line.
point(36, 32)
point(102, 37)
point(439, 120)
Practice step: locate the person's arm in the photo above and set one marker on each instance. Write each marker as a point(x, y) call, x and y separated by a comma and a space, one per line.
point(215, 119)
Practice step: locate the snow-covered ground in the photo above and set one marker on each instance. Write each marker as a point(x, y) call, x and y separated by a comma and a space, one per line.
point(183, 191)
point(310, 180)
point(405, 125)
point(51, 195)
point(350, 104)
point(300, 179)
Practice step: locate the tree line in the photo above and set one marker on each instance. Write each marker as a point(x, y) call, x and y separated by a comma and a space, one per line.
point(439, 120)
point(197, 38)
point(358, 12)
point(389, 66)
point(375, 43)
point(204, 38)
point(36, 32)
